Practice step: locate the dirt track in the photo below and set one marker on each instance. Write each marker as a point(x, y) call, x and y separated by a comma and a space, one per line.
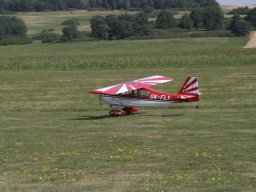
point(252, 42)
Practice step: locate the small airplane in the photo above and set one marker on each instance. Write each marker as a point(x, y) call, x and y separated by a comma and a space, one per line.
point(125, 97)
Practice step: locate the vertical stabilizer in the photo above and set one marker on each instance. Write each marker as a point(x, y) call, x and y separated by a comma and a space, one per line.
point(190, 86)
point(190, 89)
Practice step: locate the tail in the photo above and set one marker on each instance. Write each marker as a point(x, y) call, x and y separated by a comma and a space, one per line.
point(190, 90)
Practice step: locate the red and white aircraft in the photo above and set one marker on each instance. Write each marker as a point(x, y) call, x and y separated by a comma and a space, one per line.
point(138, 93)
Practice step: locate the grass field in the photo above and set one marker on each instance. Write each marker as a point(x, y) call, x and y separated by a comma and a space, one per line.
point(55, 136)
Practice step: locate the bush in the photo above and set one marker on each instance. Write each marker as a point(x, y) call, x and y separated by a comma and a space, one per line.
point(239, 27)
point(83, 36)
point(39, 36)
point(6, 12)
point(50, 38)
point(73, 21)
point(162, 34)
point(173, 33)
point(217, 33)
point(15, 40)
point(69, 33)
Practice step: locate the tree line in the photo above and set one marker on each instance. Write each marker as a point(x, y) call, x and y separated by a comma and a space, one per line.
point(123, 26)
point(13, 30)
point(208, 18)
point(54, 5)
point(239, 11)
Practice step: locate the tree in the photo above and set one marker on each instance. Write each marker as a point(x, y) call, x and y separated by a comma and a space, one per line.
point(13, 31)
point(233, 22)
point(186, 22)
point(99, 27)
point(126, 29)
point(197, 17)
point(239, 27)
point(69, 33)
point(159, 4)
point(165, 20)
point(210, 18)
point(251, 17)
point(141, 25)
point(2, 5)
point(12, 26)
point(119, 27)
point(206, 3)
point(213, 18)
point(113, 26)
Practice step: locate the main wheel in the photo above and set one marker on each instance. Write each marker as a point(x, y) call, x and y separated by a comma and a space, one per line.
point(127, 110)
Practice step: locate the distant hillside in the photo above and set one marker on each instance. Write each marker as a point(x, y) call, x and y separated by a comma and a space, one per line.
point(42, 5)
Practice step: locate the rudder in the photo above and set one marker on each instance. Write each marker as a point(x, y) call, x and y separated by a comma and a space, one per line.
point(190, 86)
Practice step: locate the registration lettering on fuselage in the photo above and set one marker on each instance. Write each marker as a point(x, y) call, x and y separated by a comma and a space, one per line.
point(159, 97)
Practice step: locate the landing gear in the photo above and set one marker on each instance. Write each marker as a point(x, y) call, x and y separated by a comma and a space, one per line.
point(129, 110)
point(117, 113)
point(122, 111)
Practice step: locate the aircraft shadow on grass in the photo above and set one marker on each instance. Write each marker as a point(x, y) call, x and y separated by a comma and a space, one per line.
point(92, 117)
point(173, 115)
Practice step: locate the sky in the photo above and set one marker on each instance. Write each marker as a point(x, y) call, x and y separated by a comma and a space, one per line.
point(237, 2)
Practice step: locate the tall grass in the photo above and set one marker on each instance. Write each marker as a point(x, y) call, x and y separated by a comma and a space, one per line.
point(128, 54)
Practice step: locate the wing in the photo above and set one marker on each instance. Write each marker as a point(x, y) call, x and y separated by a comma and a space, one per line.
point(132, 85)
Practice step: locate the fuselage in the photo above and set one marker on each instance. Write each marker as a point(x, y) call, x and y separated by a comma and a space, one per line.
point(146, 97)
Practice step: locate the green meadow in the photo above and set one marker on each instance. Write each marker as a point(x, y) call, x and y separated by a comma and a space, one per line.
point(55, 136)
